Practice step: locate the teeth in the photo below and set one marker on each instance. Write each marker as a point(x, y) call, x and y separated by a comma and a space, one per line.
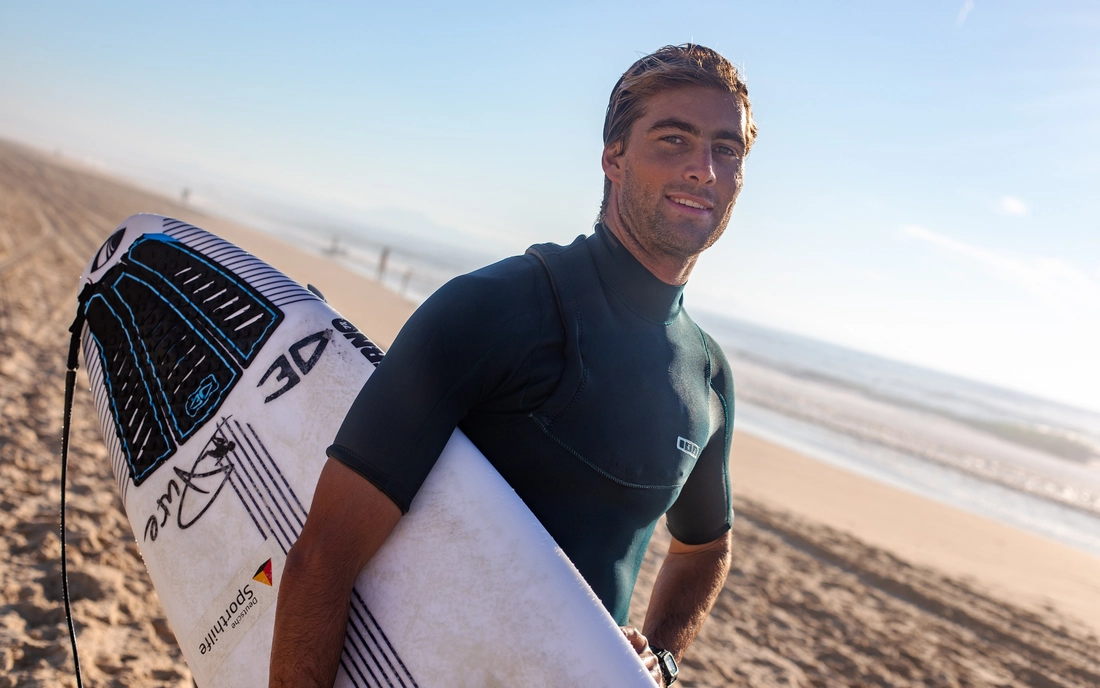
point(690, 204)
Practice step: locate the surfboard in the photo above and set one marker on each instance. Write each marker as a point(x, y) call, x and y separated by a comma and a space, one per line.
point(219, 382)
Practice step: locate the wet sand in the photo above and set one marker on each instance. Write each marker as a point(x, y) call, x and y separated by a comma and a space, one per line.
point(836, 581)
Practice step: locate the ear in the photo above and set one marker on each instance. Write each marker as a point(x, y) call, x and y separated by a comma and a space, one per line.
point(612, 161)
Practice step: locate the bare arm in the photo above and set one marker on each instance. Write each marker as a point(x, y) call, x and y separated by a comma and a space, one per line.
point(687, 585)
point(348, 521)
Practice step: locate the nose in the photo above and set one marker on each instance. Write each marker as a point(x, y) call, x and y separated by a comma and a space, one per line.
point(700, 168)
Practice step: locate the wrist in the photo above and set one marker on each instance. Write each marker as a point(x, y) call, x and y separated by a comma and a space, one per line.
point(667, 663)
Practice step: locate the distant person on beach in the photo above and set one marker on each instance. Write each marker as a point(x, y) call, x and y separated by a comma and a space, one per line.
point(578, 374)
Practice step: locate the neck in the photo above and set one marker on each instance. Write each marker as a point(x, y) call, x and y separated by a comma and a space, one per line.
point(672, 270)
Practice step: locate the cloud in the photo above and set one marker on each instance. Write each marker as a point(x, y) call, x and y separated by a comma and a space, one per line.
point(964, 12)
point(1010, 205)
point(1059, 283)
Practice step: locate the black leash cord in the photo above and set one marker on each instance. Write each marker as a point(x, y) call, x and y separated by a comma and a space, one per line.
point(70, 386)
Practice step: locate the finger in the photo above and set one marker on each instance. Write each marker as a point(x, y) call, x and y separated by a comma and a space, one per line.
point(635, 638)
point(652, 666)
point(655, 673)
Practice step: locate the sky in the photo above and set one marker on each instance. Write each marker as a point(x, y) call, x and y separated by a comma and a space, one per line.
point(925, 185)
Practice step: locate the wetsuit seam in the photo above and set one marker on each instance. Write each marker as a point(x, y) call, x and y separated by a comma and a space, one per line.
point(727, 435)
point(531, 355)
point(580, 339)
point(534, 250)
point(706, 350)
point(576, 395)
point(618, 481)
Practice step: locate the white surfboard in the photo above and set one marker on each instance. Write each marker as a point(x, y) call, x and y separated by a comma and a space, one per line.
point(219, 382)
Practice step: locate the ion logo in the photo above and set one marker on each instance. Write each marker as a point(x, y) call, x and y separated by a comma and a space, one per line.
point(688, 447)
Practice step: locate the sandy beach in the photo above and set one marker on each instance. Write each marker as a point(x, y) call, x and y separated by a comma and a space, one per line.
point(837, 580)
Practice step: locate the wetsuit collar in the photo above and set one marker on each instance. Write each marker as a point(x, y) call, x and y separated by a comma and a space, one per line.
point(643, 293)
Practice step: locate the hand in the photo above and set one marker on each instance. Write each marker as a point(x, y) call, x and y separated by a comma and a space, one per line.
point(641, 646)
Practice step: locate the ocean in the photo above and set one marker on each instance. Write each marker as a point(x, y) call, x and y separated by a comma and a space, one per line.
point(1009, 456)
point(1015, 458)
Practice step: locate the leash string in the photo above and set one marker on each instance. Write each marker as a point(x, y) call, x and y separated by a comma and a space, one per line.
point(72, 364)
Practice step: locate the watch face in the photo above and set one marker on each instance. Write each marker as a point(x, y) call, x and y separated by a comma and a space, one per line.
point(669, 663)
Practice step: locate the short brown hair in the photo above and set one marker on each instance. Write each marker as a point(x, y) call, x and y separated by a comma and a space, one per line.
point(670, 67)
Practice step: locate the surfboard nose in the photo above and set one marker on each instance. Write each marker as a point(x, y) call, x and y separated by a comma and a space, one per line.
point(118, 242)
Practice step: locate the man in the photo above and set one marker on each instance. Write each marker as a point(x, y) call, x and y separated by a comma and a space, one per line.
point(579, 376)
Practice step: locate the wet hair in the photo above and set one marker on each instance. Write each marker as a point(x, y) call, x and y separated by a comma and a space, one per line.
point(673, 66)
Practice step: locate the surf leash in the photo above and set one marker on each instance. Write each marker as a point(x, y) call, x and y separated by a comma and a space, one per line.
point(72, 364)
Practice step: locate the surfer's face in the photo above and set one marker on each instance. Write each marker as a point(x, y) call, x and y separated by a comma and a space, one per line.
point(680, 171)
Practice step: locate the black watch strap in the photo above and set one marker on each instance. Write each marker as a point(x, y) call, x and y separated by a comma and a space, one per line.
point(669, 669)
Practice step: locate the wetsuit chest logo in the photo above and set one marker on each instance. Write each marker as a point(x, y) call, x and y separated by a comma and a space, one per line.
point(688, 447)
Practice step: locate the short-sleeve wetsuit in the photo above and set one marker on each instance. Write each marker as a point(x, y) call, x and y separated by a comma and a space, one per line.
point(580, 377)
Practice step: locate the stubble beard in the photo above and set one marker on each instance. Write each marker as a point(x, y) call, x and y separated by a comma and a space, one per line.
point(640, 210)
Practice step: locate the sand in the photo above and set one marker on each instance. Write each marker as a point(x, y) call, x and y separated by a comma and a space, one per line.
point(837, 580)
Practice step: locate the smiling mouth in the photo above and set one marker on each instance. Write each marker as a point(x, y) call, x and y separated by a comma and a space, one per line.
point(689, 203)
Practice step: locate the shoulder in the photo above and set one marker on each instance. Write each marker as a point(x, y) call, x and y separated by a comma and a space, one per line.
point(498, 290)
point(551, 255)
point(511, 293)
point(516, 271)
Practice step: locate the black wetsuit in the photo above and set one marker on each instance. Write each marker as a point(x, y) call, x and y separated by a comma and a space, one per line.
point(579, 376)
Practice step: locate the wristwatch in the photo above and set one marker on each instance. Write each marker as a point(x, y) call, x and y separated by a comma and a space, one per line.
point(667, 662)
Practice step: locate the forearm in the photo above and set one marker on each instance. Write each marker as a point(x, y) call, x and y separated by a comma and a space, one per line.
point(687, 586)
point(310, 625)
point(348, 521)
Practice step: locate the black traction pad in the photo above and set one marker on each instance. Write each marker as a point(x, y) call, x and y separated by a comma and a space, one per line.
point(235, 312)
point(174, 329)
